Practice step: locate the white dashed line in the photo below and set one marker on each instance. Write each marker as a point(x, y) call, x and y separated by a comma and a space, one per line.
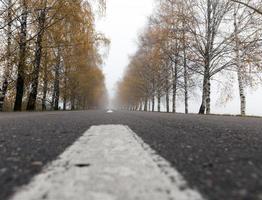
point(110, 111)
point(108, 162)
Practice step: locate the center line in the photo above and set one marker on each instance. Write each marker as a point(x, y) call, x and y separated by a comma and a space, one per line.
point(108, 162)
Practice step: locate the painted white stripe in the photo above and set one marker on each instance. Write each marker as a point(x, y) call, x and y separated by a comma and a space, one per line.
point(110, 111)
point(108, 163)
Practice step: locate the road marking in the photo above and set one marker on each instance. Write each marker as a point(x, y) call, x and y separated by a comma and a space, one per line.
point(110, 111)
point(108, 162)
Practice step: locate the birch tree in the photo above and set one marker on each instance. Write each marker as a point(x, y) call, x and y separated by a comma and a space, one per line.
point(8, 67)
point(22, 57)
point(54, 51)
point(247, 33)
point(41, 13)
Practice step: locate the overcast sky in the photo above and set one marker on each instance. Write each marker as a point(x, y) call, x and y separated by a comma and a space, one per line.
point(123, 22)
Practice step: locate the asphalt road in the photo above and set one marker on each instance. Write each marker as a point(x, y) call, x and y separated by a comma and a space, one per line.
point(220, 156)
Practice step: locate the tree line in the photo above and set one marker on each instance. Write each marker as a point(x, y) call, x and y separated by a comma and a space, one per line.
point(50, 56)
point(190, 45)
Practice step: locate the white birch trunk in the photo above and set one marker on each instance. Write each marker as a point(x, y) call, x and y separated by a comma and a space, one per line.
point(239, 68)
point(206, 99)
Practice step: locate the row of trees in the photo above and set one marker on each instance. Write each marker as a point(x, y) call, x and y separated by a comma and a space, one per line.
point(49, 56)
point(190, 44)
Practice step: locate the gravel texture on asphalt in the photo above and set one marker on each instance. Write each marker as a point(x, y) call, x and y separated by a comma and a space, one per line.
point(221, 156)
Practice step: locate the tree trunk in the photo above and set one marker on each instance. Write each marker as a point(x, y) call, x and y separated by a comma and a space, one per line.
point(167, 92)
point(174, 85)
point(65, 92)
point(186, 90)
point(205, 105)
point(22, 58)
point(65, 102)
point(167, 101)
point(44, 97)
point(153, 103)
point(206, 82)
point(56, 93)
point(3, 94)
point(208, 99)
point(31, 105)
point(239, 68)
point(146, 104)
point(158, 101)
point(136, 107)
point(185, 76)
point(241, 94)
point(140, 106)
point(72, 103)
point(45, 84)
point(8, 57)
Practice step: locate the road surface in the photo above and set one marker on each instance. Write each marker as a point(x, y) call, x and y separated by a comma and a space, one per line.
point(219, 157)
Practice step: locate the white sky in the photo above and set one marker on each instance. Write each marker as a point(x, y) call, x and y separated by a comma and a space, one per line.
point(124, 20)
